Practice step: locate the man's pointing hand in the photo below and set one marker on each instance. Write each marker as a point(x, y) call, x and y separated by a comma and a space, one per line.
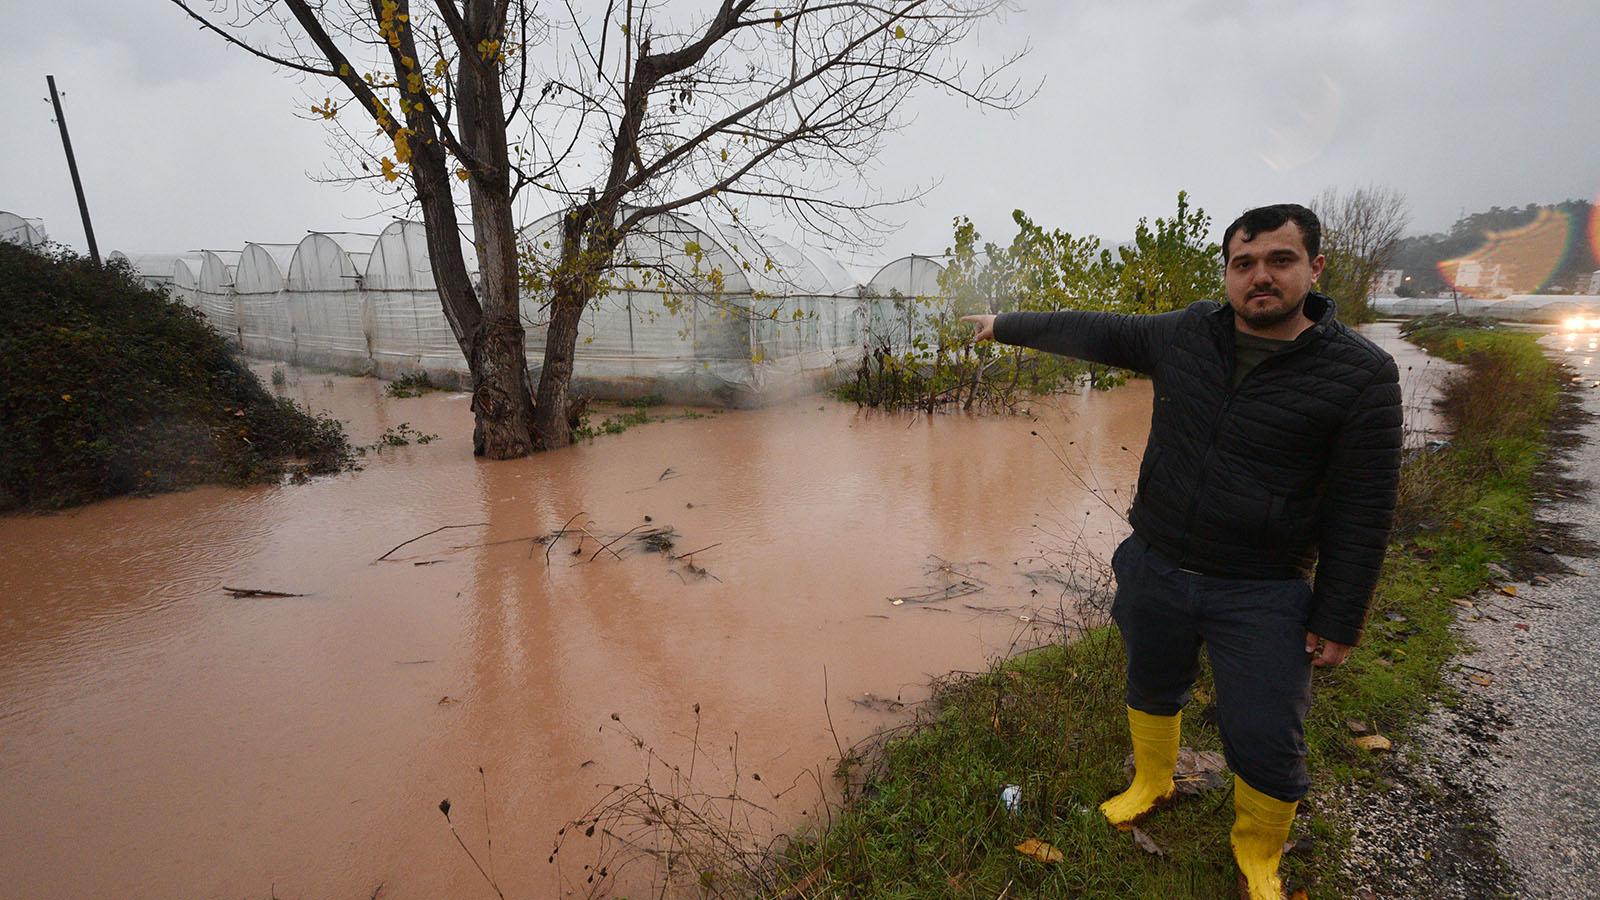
point(985, 326)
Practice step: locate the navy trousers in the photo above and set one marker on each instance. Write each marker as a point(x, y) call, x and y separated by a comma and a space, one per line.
point(1254, 632)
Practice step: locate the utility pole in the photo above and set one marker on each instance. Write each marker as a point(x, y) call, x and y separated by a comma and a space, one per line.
point(72, 164)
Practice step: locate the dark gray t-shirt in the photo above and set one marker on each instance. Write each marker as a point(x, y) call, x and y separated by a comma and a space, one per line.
point(1249, 351)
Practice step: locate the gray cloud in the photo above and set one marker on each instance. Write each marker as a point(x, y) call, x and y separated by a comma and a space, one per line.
point(185, 142)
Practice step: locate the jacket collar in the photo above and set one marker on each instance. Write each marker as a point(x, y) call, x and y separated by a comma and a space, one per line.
point(1320, 309)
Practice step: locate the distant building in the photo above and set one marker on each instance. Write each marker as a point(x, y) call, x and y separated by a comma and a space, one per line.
point(1388, 281)
point(1519, 260)
point(1594, 282)
point(1479, 278)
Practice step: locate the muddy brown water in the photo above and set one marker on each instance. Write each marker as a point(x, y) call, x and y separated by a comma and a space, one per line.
point(159, 738)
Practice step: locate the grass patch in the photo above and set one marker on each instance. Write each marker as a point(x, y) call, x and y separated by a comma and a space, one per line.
point(922, 814)
point(611, 424)
point(411, 384)
point(113, 388)
point(636, 412)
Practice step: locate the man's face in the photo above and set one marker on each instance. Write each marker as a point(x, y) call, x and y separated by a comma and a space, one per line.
point(1269, 276)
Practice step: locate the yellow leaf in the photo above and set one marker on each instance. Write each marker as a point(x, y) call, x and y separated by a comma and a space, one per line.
point(414, 83)
point(777, 19)
point(462, 174)
point(1510, 590)
point(724, 155)
point(1038, 850)
point(408, 62)
point(899, 33)
point(420, 106)
point(67, 397)
point(1374, 743)
point(389, 173)
point(343, 70)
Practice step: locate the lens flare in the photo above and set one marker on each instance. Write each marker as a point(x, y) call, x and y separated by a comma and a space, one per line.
point(1519, 260)
point(1594, 229)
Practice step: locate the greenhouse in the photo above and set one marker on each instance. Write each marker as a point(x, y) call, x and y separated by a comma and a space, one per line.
point(407, 328)
point(154, 270)
point(1554, 309)
point(15, 229)
point(184, 285)
point(697, 314)
point(322, 290)
point(1549, 309)
point(214, 290)
point(890, 298)
point(702, 316)
point(259, 303)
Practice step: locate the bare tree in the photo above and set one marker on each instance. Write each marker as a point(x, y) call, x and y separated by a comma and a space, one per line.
point(739, 107)
point(1360, 230)
point(748, 105)
point(435, 83)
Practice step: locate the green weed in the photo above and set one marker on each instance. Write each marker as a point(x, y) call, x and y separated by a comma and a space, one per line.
point(411, 384)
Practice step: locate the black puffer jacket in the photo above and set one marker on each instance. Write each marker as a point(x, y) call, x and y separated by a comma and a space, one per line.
point(1295, 468)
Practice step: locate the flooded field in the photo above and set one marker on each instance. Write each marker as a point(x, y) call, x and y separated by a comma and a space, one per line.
point(160, 737)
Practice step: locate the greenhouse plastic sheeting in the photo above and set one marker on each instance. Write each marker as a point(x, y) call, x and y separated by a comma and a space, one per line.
point(214, 291)
point(408, 329)
point(1537, 308)
point(154, 270)
point(705, 315)
point(264, 328)
point(15, 229)
point(323, 291)
point(185, 283)
point(781, 318)
point(892, 311)
point(1549, 308)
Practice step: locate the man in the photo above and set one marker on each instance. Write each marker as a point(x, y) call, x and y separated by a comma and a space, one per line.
point(1274, 455)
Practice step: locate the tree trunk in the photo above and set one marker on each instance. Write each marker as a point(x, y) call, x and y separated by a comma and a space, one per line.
point(502, 399)
point(502, 396)
point(551, 428)
point(583, 256)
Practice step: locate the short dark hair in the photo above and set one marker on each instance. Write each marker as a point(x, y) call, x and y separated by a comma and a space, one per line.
point(1271, 218)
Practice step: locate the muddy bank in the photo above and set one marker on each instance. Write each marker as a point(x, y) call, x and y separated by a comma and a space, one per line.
point(161, 738)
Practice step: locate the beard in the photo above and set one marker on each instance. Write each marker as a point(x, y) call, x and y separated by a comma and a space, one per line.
point(1265, 318)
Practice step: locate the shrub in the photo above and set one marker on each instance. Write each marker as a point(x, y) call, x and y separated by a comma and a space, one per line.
point(114, 388)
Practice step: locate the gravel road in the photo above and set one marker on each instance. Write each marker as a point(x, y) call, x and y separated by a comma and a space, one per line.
point(1496, 795)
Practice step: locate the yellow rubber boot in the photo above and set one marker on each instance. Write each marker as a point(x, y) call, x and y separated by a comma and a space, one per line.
point(1260, 827)
point(1155, 756)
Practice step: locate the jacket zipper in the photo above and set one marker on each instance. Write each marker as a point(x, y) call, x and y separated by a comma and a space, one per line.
point(1211, 446)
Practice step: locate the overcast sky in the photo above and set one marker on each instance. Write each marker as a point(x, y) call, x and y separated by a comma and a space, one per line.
point(184, 142)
